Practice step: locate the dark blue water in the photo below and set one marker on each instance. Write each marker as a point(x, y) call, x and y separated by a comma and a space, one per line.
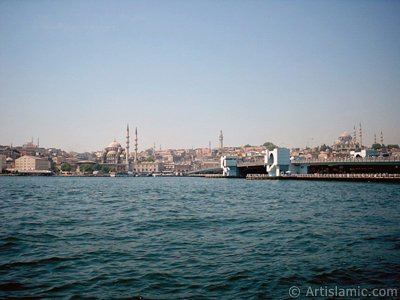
point(172, 238)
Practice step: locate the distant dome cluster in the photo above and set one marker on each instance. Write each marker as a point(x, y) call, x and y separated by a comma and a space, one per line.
point(345, 142)
point(114, 153)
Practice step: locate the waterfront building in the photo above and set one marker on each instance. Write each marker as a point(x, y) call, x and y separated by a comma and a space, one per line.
point(3, 163)
point(168, 167)
point(31, 163)
point(10, 163)
point(149, 167)
point(182, 168)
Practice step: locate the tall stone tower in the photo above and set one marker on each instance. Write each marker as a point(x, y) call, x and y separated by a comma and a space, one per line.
point(221, 140)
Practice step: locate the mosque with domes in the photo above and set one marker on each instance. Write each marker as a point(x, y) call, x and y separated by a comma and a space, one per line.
point(117, 157)
point(114, 154)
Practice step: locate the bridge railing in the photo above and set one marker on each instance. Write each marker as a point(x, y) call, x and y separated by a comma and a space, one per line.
point(317, 175)
point(250, 162)
point(349, 175)
point(348, 159)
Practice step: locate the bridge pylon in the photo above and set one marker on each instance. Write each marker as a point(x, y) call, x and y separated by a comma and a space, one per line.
point(277, 161)
point(229, 166)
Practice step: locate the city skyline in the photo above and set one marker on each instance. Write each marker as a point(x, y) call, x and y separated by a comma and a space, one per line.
point(356, 135)
point(74, 73)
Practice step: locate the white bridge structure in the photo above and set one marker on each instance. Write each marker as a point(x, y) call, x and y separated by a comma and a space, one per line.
point(278, 162)
point(229, 166)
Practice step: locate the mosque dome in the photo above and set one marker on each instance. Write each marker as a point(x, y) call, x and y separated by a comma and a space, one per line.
point(114, 144)
point(114, 153)
point(344, 134)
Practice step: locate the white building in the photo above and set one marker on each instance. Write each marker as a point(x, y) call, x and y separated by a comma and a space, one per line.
point(364, 153)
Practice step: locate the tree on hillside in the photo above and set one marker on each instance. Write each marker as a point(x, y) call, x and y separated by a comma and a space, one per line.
point(105, 169)
point(66, 167)
point(54, 169)
point(86, 168)
point(376, 146)
point(323, 147)
point(269, 145)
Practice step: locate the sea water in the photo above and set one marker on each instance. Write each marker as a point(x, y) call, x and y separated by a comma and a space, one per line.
point(194, 238)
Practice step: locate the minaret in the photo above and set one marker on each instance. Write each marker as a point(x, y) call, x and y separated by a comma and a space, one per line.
point(360, 136)
point(355, 135)
point(127, 147)
point(374, 138)
point(136, 146)
point(382, 138)
point(38, 142)
point(221, 140)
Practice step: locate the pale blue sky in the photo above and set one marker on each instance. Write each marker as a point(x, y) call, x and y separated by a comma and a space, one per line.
point(291, 72)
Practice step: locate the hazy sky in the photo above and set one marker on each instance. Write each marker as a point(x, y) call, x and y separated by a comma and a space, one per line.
point(291, 72)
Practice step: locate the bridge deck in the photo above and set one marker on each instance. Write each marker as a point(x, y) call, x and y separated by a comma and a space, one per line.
point(348, 161)
point(395, 178)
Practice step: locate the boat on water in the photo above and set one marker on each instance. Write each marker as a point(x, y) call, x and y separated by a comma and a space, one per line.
point(121, 174)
